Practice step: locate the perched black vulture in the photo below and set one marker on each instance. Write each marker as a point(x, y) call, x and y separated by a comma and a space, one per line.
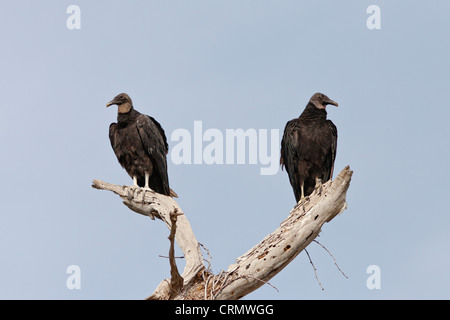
point(308, 147)
point(140, 145)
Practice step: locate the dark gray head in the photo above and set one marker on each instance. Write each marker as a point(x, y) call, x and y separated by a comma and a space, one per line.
point(123, 101)
point(321, 101)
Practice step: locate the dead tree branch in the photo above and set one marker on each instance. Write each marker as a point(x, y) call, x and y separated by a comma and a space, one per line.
point(335, 262)
point(257, 266)
point(153, 205)
point(176, 281)
point(314, 268)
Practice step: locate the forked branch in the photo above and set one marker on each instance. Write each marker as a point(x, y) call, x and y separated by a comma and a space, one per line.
point(258, 265)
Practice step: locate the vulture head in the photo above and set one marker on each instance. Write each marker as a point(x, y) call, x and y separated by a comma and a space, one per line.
point(321, 101)
point(123, 101)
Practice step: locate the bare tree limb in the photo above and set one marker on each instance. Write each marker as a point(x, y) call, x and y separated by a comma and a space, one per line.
point(176, 281)
point(259, 264)
point(335, 262)
point(153, 205)
point(315, 270)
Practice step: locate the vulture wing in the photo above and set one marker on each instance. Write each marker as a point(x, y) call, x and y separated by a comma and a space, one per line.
point(155, 144)
point(328, 174)
point(290, 154)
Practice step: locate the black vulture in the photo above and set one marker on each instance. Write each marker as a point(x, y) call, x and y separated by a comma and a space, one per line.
point(140, 145)
point(308, 147)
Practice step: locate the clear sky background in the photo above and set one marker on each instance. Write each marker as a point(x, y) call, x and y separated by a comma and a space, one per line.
point(229, 64)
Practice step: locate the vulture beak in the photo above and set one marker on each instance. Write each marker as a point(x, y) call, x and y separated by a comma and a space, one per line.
point(329, 101)
point(112, 102)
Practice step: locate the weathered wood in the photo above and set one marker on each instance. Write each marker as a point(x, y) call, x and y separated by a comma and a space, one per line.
point(176, 281)
point(258, 265)
point(295, 233)
point(152, 204)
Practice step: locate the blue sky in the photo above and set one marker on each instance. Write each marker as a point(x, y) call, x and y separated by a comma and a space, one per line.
point(229, 64)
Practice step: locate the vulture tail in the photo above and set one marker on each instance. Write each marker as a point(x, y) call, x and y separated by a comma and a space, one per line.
point(173, 194)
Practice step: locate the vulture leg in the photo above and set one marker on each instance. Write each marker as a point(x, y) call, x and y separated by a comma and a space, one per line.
point(302, 192)
point(147, 178)
point(318, 186)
